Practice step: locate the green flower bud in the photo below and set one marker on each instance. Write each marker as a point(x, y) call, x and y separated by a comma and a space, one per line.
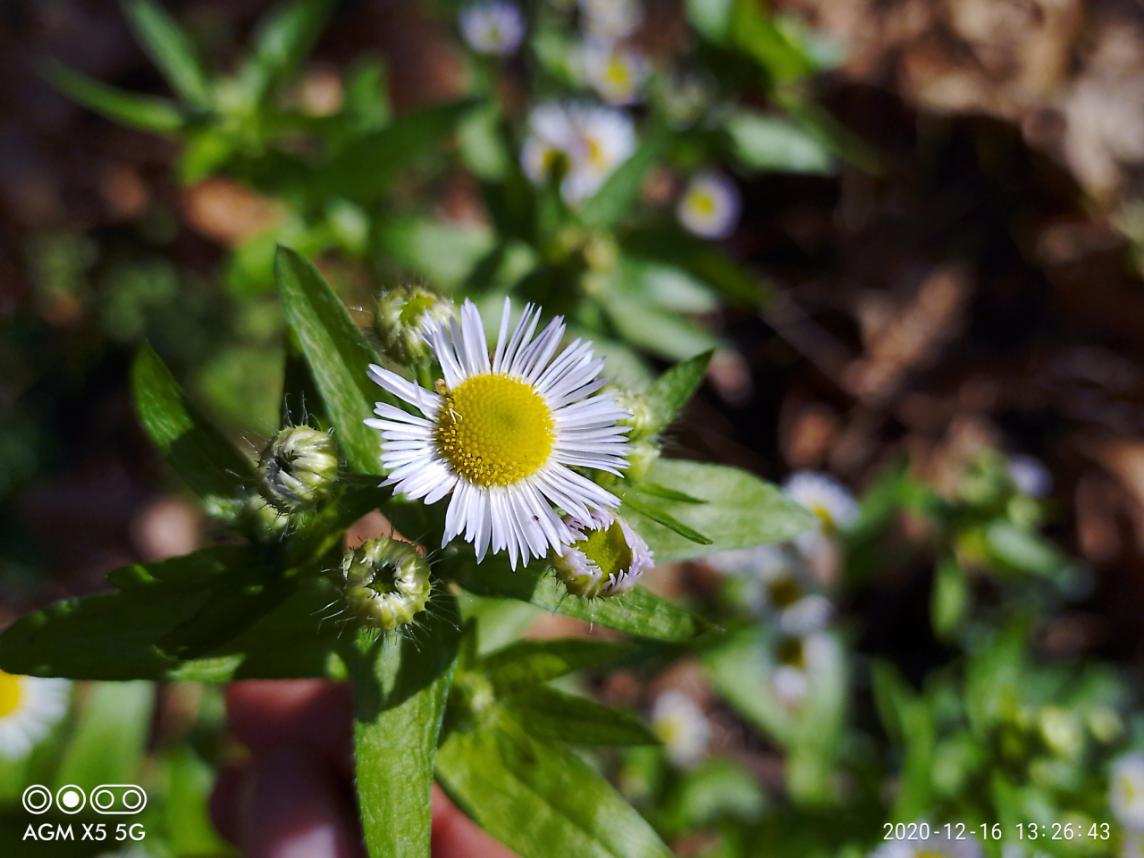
point(607, 558)
point(403, 315)
point(642, 419)
point(385, 583)
point(298, 468)
point(1062, 731)
point(641, 456)
point(260, 521)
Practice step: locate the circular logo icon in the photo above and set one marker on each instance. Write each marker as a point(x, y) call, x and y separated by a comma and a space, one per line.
point(70, 799)
point(37, 799)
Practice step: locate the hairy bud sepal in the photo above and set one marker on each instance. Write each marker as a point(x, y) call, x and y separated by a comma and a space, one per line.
point(385, 584)
point(298, 468)
point(404, 314)
point(607, 558)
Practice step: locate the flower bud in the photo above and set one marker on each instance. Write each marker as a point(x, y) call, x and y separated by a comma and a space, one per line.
point(404, 314)
point(606, 558)
point(385, 583)
point(298, 468)
point(642, 418)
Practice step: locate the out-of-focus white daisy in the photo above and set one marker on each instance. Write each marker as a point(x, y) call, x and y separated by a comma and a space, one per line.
point(617, 73)
point(611, 19)
point(937, 845)
point(830, 501)
point(681, 726)
point(492, 27)
point(1126, 791)
point(29, 708)
point(800, 661)
point(588, 141)
point(777, 584)
point(1030, 476)
point(709, 206)
point(606, 557)
point(502, 433)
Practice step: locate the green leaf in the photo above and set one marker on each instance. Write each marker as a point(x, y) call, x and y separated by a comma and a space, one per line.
point(762, 142)
point(552, 715)
point(674, 389)
point(170, 49)
point(621, 189)
point(363, 170)
point(188, 573)
point(443, 253)
point(338, 356)
point(716, 789)
point(538, 798)
point(323, 531)
point(636, 612)
point(753, 31)
point(704, 261)
point(281, 43)
point(711, 18)
point(740, 510)
point(401, 683)
point(199, 453)
point(654, 511)
point(660, 332)
point(528, 663)
point(137, 111)
point(666, 286)
point(301, 401)
point(110, 736)
point(1025, 551)
point(950, 599)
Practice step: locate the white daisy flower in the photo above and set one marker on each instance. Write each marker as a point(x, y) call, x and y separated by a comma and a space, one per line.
point(1030, 476)
point(799, 662)
point(29, 708)
point(830, 501)
point(607, 557)
point(590, 141)
point(502, 434)
point(709, 206)
point(1126, 791)
point(492, 27)
point(681, 726)
point(937, 845)
point(615, 72)
point(611, 19)
point(778, 585)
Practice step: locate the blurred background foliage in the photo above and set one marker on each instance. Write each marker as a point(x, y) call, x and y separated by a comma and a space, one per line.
point(936, 274)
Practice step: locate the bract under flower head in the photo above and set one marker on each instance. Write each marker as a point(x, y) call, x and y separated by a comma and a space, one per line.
point(298, 468)
point(606, 558)
point(385, 583)
point(502, 433)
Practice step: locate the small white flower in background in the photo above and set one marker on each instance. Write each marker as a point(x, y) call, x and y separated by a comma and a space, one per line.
point(610, 19)
point(800, 661)
point(589, 140)
point(606, 557)
point(937, 845)
point(709, 206)
point(779, 585)
point(1126, 791)
point(615, 72)
point(681, 726)
point(492, 27)
point(29, 708)
point(831, 502)
point(1030, 476)
point(502, 434)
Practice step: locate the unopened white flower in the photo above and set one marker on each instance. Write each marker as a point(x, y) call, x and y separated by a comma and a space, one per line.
point(29, 708)
point(502, 434)
point(1126, 791)
point(606, 557)
point(615, 72)
point(831, 502)
point(611, 19)
point(778, 585)
point(587, 142)
point(709, 206)
point(1030, 476)
point(492, 27)
point(799, 662)
point(937, 845)
point(298, 468)
point(681, 726)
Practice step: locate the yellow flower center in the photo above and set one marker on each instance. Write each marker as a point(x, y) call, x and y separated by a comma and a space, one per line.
point(703, 203)
point(597, 155)
point(617, 74)
point(825, 516)
point(495, 430)
point(11, 693)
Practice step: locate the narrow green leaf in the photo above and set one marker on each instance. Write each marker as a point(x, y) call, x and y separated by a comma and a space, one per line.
point(621, 189)
point(753, 30)
point(301, 401)
point(552, 715)
point(110, 735)
point(711, 18)
point(233, 606)
point(663, 492)
point(660, 332)
point(763, 142)
point(673, 390)
point(538, 798)
point(338, 356)
point(400, 687)
point(443, 253)
point(199, 453)
point(138, 111)
point(1025, 551)
point(527, 663)
point(170, 49)
point(656, 513)
point(950, 599)
point(740, 510)
point(281, 43)
point(704, 261)
point(323, 532)
point(636, 612)
point(190, 572)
